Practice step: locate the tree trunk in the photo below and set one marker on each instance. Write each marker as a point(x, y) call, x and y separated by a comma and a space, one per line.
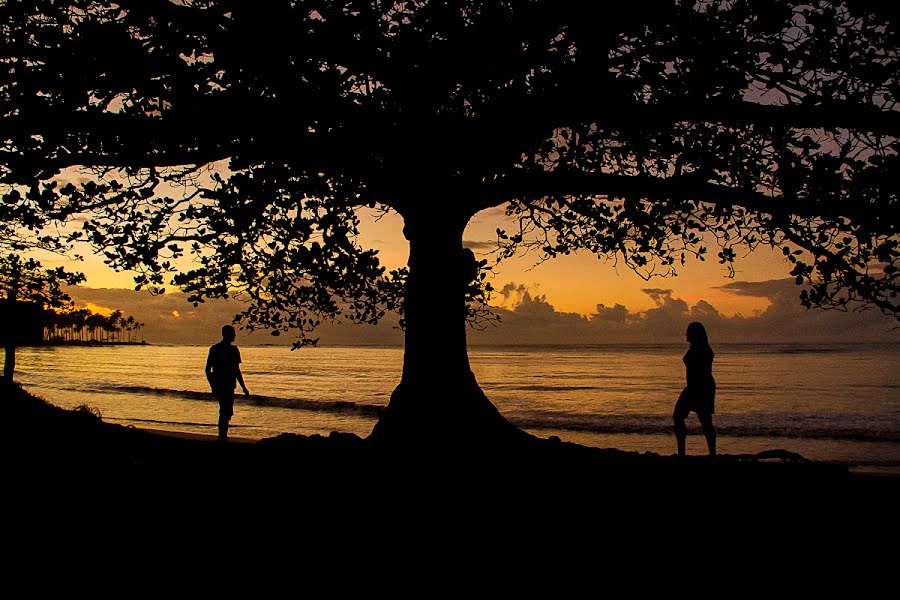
point(9, 361)
point(438, 402)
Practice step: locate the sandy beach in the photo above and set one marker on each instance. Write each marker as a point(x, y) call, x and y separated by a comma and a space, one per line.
point(71, 444)
point(74, 477)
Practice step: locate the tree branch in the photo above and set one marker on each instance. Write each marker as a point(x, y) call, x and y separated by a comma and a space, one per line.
point(684, 187)
point(570, 107)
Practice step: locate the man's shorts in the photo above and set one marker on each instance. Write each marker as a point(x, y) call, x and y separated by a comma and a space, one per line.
point(225, 397)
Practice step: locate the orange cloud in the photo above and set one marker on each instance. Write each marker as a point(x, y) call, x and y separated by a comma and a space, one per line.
point(100, 310)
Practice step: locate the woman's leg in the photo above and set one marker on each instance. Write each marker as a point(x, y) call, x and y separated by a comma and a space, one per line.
point(708, 430)
point(682, 409)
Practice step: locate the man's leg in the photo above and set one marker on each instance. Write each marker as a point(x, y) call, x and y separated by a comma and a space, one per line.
point(226, 410)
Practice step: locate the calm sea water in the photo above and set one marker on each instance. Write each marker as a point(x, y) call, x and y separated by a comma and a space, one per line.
point(840, 404)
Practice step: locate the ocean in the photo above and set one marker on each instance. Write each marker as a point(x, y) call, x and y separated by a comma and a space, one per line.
point(834, 403)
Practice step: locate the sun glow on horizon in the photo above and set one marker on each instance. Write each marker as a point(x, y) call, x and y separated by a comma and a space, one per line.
point(576, 283)
point(100, 310)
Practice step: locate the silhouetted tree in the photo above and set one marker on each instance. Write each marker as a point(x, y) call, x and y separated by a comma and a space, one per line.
point(247, 137)
point(129, 325)
point(71, 323)
point(27, 288)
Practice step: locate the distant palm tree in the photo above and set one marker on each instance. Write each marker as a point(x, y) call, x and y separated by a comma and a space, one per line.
point(94, 324)
point(128, 325)
point(81, 324)
point(113, 324)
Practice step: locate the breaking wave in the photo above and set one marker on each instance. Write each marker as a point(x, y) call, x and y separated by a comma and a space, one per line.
point(793, 425)
point(335, 406)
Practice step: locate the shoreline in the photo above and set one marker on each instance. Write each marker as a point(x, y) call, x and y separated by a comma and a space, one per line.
point(200, 437)
point(860, 456)
point(35, 414)
point(889, 472)
point(57, 459)
point(52, 452)
point(855, 468)
point(68, 464)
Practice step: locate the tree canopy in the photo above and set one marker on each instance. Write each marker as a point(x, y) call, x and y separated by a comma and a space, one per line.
point(247, 138)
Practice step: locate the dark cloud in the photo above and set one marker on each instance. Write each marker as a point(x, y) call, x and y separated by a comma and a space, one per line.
point(614, 314)
point(760, 289)
point(476, 245)
point(492, 213)
point(660, 297)
point(170, 319)
point(786, 318)
point(530, 318)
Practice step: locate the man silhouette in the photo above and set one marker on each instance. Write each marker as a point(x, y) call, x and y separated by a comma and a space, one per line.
point(223, 371)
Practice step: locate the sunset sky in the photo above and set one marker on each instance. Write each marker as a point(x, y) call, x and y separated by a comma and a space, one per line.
point(571, 299)
point(575, 298)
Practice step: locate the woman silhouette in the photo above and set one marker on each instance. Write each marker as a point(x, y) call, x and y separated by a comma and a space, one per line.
point(699, 395)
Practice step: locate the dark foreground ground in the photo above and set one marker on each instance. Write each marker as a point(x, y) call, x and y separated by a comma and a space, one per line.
point(62, 466)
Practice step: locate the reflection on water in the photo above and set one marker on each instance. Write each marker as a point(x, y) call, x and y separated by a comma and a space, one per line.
point(838, 403)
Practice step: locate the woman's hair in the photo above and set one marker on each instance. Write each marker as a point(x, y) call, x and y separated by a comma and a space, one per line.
point(696, 331)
